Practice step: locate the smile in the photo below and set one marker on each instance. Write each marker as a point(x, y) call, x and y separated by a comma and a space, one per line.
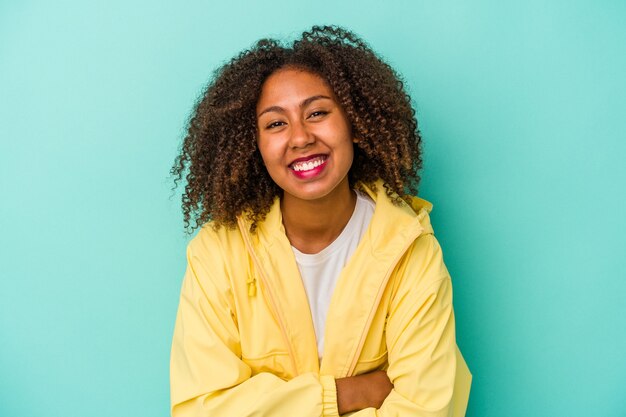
point(303, 165)
point(310, 167)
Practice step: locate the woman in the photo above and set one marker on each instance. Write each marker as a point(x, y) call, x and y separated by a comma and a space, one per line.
point(315, 286)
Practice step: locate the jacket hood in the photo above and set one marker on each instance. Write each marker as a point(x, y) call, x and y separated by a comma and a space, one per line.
point(416, 209)
point(393, 215)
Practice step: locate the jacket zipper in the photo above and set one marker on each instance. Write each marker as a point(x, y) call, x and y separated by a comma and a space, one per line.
point(269, 294)
point(381, 289)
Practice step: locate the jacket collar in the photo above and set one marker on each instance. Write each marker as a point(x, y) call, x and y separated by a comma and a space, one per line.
point(392, 216)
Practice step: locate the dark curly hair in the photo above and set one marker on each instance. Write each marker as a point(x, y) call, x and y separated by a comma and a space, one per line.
point(219, 157)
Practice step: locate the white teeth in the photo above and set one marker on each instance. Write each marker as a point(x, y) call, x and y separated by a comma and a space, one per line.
point(308, 165)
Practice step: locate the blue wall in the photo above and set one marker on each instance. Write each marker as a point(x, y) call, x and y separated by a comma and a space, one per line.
point(522, 109)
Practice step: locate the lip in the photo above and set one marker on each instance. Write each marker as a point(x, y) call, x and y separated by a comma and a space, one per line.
point(311, 173)
point(307, 158)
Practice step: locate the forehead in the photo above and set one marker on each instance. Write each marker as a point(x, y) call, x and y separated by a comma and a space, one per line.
point(290, 86)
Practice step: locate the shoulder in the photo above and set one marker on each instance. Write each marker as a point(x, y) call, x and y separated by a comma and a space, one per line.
point(425, 254)
point(216, 254)
point(211, 241)
point(422, 266)
point(422, 275)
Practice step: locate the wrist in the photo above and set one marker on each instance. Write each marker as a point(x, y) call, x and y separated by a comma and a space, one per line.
point(350, 394)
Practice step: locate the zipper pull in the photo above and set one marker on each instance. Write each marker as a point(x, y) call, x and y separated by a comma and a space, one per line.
point(251, 286)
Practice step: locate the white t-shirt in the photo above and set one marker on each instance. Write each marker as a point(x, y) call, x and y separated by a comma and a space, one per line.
point(319, 271)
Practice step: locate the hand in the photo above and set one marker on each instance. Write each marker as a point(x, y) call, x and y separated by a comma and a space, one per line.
point(362, 391)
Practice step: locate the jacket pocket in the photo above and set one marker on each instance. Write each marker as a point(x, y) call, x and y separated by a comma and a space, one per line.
point(276, 363)
point(368, 364)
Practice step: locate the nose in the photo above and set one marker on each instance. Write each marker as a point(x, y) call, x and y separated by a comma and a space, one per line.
point(300, 136)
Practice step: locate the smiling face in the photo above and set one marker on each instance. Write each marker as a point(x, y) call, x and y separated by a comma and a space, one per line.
point(304, 135)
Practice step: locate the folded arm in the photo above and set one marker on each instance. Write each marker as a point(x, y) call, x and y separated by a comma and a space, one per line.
point(420, 338)
point(208, 377)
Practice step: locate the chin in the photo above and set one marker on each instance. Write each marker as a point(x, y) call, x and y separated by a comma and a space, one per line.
point(312, 192)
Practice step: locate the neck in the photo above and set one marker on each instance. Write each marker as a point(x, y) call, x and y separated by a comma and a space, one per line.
point(313, 225)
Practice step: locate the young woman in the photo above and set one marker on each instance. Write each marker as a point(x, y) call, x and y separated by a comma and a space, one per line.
point(315, 286)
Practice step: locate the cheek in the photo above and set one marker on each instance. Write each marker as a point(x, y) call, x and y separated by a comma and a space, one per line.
point(270, 155)
point(349, 158)
point(349, 151)
point(263, 149)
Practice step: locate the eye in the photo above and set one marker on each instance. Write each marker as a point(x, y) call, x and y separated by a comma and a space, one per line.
point(317, 113)
point(275, 124)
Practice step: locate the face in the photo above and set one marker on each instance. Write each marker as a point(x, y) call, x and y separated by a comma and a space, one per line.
point(304, 135)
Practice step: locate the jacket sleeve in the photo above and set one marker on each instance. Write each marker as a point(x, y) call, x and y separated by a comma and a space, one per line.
point(420, 338)
point(207, 375)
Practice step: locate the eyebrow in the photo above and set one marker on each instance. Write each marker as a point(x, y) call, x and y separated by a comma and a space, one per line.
point(304, 103)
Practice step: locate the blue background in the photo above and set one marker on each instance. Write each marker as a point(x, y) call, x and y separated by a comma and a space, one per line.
point(522, 108)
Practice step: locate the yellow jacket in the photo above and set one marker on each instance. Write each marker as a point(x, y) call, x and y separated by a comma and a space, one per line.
point(244, 342)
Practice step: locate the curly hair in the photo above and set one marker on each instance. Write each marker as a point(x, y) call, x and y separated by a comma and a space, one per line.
point(219, 157)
